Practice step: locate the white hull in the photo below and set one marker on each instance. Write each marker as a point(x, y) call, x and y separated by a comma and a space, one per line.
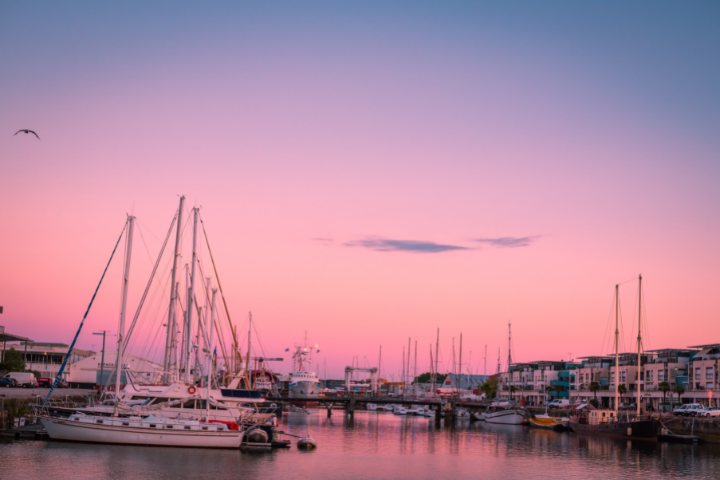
point(505, 417)
point(479, 416)
point(63, 429)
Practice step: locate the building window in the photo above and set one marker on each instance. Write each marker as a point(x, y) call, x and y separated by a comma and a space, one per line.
point(661, 375)
point(709, 373)
point(709, 386)
point(649, 375)
point(612, 377)
point(697, 374)
point(623, 377)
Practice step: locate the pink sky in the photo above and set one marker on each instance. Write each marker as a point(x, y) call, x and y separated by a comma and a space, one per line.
point(343, 127)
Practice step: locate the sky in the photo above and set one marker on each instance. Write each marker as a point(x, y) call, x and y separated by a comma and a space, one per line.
point(367, 172)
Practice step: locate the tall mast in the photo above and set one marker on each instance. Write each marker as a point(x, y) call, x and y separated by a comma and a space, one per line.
point(437, 347)
point(509, 356)
point(210, 355)
point(121, 330)
point(460, 363)
point(173, 296)
point(639, 378)
point(415, 372)
point(454, 380)
point(402, 381)
point(173, 343)
point(408, 363)
point(247, 364)
point(432, 371)
point(617, 356)
point(191, 299)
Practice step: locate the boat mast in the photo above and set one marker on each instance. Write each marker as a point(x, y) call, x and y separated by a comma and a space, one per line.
point(402, 381)
point(639, 378)
point(415, 372)
point(378, 374)
point(210, 355)
point(509, 356)
point(121, 330)
point(191, 299)
point(173, 344)
point(407, 372)
point(617, 356)
point(459, 373)
point(173, 297)
point(247, 364)
point(437, 347)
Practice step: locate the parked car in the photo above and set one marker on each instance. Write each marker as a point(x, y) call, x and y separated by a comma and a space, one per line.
point(710, 412)
point(45, 382)
point(8, 382)
point(680, 411)
point(24, 379)
point(559, 404)
point(692, 409)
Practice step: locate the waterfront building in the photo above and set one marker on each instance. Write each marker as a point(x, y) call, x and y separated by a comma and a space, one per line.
point(704, 373)
point(89, 371)
point(46, 358)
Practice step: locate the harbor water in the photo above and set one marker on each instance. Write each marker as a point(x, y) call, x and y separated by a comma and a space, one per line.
point(377, 445)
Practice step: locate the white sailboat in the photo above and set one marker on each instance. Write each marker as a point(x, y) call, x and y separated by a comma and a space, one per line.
point(153, 430)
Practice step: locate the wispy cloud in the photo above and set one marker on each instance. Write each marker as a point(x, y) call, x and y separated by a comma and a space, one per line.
point(323, 240)
point(387, 245)
point(509, 242)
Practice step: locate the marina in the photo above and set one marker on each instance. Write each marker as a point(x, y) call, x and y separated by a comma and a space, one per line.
point(380, 445)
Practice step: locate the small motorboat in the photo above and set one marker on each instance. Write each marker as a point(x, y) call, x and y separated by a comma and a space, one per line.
point(400, 411)
point(549, 423)
point(372, 407)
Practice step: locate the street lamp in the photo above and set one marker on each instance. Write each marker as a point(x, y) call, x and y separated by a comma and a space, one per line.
point(102, 361)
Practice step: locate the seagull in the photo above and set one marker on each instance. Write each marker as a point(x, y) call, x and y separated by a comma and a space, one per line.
point(27, 131)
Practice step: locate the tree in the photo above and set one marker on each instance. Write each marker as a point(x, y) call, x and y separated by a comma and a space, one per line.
point(594, 387)
point(679, 390)
point(489, 387)
point(13, 361)
point(512, 390)
point(622, 391)
point(665, 388)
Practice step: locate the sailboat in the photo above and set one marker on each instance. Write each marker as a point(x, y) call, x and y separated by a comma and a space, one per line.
point(506, 413)
point(608, 422)
point(135, 430)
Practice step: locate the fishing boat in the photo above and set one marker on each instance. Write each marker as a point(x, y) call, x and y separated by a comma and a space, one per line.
point(303, 383)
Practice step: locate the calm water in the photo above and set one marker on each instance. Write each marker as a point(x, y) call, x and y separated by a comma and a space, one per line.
point(377, 446)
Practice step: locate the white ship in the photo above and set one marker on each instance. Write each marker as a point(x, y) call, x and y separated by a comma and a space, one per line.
point(303, 383)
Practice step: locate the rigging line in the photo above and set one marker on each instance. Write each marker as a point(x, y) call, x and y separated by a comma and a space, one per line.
point(217, 277)
point(150, 231)
point(72, 345)
point(157, 308)
point(152, 275)
point(207, 298)
point(151, 301)
point(147, 250)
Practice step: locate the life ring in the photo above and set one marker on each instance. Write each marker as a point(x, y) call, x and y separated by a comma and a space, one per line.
point(192, 390)
point(273, 405)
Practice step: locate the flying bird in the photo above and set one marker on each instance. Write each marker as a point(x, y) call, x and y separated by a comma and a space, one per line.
point(27, 131)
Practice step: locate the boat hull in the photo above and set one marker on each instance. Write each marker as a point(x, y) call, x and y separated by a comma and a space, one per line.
point(644, 429)
point(304, 390)
point(505, 417)
point(63, 429)
point(549, 423)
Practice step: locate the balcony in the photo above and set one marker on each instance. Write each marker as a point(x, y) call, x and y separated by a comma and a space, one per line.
point(560, 383)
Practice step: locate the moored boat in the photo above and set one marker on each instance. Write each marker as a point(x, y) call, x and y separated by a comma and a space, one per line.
point(549, 423)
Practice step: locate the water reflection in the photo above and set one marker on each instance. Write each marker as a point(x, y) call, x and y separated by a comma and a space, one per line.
point(377, 446)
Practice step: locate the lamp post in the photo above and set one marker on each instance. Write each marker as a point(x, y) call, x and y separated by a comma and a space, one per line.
point(102, 361)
